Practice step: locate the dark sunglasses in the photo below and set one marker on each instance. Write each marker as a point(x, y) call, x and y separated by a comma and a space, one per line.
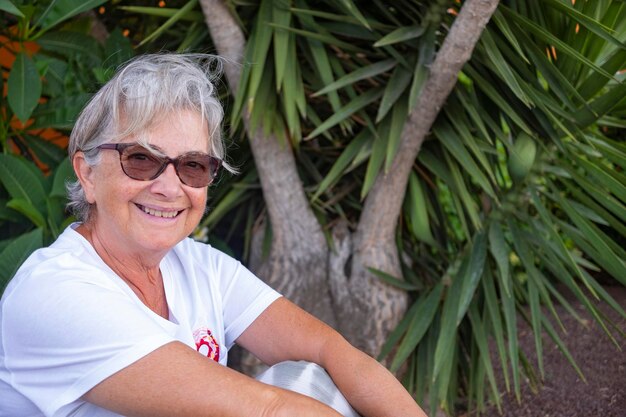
point(195, 169)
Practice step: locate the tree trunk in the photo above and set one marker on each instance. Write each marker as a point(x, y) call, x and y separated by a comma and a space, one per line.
point(336, 285)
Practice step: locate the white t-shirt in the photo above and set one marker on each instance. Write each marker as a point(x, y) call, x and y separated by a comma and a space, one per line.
point(67, 321)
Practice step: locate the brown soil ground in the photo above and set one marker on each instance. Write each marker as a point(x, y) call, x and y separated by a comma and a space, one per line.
point(563, 393)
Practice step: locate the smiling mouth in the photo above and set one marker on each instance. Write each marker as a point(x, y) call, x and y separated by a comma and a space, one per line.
point(159, 213)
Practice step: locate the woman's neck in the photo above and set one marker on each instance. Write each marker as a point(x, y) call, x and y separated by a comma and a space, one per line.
point(144, 278)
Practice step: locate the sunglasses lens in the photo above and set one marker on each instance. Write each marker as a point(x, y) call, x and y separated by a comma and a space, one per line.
point(140, 164)
point(197, 169)
point(194, 169)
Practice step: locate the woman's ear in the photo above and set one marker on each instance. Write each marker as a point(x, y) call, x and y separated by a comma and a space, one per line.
point(85, 174)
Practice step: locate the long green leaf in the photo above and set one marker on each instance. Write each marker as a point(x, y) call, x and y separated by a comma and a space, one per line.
point(557, 239)
point(420, 323)
point(377, 158)
point(587, 21)
point(291, 84)
point(420, 75)
point(9, 7)
point(68, 44)
point(475, 113)
point(61, 10)
point(597, 209)
point(362, 73)
point(391, 280)
point(500, 252)
point(398, 116)
point(601, 105)
point(63, 174)
point(418, 211)
point(503, 25)
point(259, 45)
point(397, 85)
point(163, 12)
point(47, 152)
point(541, 32)
point(502, 67)
point(510, 319)
point(605, 178)
point(321, 61)
point(20, 181)
point(235, 196)
point(8, 214)
point(492, 302)
point(557, 81)
point(397, 333)
point(24, 87)
point(401, 34)
point(444, 351)
point(325, 38)
point(468, 205)
point(532, 293)
point(536, 316)
point(564, 276)
point(355, 12)
point(464, 127)
point(593, 84)
point(605, 199)
point(344, 19)
point(487, 88)
point(187, 8)
point(609, 150)
point(348, 110)
point(606, 297)
point(582, 242)
point(26, 208)
point(340, 165)
point(59, 112)
point(16, 253)
point(281, 16)
point(472, 275)
point(481, 338)
point(596, 238)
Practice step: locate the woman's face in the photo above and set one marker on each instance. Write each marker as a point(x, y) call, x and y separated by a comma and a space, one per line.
point(149, 217)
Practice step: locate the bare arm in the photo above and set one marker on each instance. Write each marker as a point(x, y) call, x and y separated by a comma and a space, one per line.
point(174, 380)
point(296, 335)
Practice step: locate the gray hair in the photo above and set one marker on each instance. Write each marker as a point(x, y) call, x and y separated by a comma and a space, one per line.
point(145, 88)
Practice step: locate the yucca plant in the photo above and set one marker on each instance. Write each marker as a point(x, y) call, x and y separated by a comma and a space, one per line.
point(428, 179)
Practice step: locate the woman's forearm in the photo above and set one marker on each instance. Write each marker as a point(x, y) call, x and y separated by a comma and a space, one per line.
point(369, 387)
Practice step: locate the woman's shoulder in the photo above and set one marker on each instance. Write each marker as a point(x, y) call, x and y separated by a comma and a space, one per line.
point(199, 260)
point(69, 258)
point(70, 250)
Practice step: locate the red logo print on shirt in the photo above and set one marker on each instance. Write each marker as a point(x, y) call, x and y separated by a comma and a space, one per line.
point(206, 343)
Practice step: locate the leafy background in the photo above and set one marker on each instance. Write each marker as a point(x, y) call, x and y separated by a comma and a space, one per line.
point(517, 195)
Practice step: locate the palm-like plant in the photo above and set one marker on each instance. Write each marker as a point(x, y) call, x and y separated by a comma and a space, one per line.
point(518, 190)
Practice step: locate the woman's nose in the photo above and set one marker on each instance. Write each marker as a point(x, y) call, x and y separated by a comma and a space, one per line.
point(168, 183)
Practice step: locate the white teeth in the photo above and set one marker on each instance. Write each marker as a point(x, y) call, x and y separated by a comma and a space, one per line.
point(159, 213)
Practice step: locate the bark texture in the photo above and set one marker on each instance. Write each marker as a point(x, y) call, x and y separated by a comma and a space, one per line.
point(336, 285)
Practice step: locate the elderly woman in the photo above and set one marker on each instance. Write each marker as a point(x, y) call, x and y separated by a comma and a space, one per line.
point(126, 315)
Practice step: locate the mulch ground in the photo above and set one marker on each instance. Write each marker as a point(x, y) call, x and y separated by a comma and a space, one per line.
point(563, 393)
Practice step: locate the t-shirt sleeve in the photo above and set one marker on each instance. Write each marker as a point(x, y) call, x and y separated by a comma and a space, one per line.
point(244, 295)
point(69, 334)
